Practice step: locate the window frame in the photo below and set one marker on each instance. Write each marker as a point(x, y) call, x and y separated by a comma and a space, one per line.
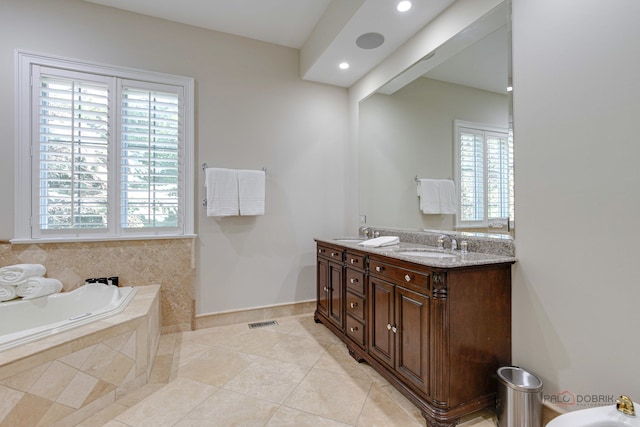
point(484, 129)
point(26, 227)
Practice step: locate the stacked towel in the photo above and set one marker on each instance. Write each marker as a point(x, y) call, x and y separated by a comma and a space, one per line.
point(16, 274)
point(26, 281)
point(38, 287)
point(7, 292)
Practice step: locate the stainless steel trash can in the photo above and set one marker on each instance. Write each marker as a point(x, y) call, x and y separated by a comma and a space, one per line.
point(519, 398)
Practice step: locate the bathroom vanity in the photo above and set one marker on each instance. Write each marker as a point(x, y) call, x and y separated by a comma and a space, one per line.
point(436, 328)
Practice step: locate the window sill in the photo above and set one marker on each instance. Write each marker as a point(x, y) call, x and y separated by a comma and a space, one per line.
point(98, 239)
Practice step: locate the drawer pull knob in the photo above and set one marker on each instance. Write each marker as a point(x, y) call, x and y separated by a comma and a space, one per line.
point(352, 280)
point(354, 261)
point(355, 328)
point(407, 278)
point(320, 251)
point(353, 304)
point(388, 326)
point(334, 254)
point(379, 269)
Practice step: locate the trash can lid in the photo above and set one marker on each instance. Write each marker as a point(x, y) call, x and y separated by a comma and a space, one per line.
point(519, 379)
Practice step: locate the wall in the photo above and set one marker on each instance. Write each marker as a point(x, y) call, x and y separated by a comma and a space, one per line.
point(576, 104)
point(252, 111)
point(410, 133)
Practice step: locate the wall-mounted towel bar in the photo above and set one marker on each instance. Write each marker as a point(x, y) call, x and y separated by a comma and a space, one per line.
point(205, 166)
point(416, 179)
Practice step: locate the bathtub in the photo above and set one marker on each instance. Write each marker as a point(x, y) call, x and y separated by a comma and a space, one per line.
point(23, 321)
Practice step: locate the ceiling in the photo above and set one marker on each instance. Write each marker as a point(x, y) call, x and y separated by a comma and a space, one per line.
point(325, 31)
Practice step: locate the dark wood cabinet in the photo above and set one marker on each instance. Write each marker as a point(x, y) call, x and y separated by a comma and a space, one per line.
point(436, 334)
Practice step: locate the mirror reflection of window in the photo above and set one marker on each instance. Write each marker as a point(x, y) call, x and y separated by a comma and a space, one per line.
point(484, 174)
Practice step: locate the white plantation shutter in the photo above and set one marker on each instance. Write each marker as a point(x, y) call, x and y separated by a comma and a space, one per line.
point(73, 150)
point(484, 170)
point(104, 152)
point(150, 159)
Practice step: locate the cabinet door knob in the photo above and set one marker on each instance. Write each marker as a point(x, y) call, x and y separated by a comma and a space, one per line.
point(394, 329)
point(326, 289)
point(355, 328)
point(407, 278)
point(379, 269)
point(388, 326)
point(352, 280)
point(353, 304)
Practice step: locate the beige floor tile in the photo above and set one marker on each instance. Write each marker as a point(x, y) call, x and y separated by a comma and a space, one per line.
point(288, 417)
point(168, 405)
point(229, 409)
point(482, 418)
point(103, 417)
point(268, 379)
point(337, 359)
point(330, 395)
point(380, 410)
point(136, 396)
point(301, 350)
point(216, 366)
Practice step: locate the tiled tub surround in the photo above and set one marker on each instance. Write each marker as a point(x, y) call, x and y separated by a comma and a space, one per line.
point(64, 378)
point(494, 244)
point(167, 262)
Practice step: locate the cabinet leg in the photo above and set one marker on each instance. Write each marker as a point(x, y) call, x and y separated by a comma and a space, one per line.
point(439, 423)
point(355, 355)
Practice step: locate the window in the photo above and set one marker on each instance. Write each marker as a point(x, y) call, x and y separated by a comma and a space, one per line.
point(484, 172)
point(104, 152)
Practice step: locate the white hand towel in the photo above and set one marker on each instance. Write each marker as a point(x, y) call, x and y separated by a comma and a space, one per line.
point(7, 292)
point(14, 274)
point(222, 192)
point(251, 187)
point(380, 242)
point(437, 196)
point(38, 287)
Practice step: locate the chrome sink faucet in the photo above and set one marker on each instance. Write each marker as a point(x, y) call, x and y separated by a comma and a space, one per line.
point(625, 405)
point(454, 242)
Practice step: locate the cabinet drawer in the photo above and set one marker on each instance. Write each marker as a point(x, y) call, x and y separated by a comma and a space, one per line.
point(330, 252)
point(355, 330)
point(355, 261)
point(355, 305)
point(355, 281)
point(399, 274)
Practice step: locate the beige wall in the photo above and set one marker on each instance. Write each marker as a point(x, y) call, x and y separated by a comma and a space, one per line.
point(252, 111)
point(410, 133)
point(576, 103)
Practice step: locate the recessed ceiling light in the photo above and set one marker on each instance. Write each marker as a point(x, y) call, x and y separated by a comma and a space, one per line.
point(343, 65)
point(404, 5)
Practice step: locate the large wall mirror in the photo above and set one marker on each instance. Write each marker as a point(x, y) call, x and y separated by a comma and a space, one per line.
point(406, 128)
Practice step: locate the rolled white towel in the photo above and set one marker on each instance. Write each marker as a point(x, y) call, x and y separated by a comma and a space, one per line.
point(38, 287)
point(7, 292)
point(14, 274)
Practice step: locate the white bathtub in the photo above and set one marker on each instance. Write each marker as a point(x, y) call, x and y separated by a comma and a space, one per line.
point(23, 321)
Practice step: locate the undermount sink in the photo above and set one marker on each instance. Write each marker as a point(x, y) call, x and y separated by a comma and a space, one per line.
point(425, 253)
point(601, 416)
point(348, 239)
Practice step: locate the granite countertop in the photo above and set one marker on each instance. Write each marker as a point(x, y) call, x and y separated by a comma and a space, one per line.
point(460, 259)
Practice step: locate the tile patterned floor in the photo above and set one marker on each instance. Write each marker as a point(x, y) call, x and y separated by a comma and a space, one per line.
point(296, 373)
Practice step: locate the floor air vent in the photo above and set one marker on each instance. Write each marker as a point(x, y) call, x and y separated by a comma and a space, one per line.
point(262, 324)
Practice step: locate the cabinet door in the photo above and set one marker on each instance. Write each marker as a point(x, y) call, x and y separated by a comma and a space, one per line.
point(412, 337)
point(336, 307)
point(322, 282)
point(381, 321)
